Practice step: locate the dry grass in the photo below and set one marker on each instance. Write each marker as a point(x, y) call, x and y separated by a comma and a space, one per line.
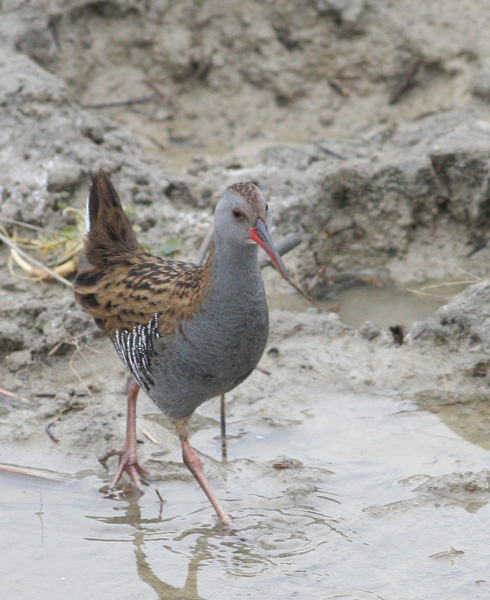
point(49, 255)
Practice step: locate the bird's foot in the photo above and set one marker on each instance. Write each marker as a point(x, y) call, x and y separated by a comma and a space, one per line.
point(128, 461)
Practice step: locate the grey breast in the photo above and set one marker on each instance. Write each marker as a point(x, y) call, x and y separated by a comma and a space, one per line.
point(211, 353)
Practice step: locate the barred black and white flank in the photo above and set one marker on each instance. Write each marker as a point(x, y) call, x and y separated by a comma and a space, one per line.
point(136, 350)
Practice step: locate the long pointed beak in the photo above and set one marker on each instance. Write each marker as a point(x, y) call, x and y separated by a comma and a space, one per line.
point(260, 236)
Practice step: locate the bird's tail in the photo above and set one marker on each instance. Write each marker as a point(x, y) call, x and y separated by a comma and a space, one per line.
point(108, 231)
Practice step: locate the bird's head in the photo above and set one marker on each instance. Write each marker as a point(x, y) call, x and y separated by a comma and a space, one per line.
point(242, 218)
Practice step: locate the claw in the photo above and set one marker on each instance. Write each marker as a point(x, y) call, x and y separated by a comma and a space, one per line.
point(129, 463)
point(128, 456)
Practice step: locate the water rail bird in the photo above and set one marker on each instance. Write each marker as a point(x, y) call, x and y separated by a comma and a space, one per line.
point(186, 333)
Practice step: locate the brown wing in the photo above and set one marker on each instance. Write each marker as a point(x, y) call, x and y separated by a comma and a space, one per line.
point(136, 286)
point(120, 284)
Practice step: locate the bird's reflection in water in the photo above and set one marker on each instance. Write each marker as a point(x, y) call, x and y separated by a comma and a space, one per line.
point(273, 542)
point(145, 527)
point(165, 590)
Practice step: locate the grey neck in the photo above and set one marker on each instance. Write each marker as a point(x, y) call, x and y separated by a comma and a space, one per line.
point(236, 271)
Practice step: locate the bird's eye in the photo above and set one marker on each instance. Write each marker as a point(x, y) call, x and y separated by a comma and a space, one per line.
point(266, 207)
point(237, 213)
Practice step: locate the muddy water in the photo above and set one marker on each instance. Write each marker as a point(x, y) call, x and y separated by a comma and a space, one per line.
point(385, 307)
point(389, 305)
point(338, 524)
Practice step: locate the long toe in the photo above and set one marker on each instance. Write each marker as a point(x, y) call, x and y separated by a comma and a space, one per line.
point(129, 463)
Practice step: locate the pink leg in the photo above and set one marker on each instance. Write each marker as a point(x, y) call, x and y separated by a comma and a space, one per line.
point(193, 463)
point(128, 456)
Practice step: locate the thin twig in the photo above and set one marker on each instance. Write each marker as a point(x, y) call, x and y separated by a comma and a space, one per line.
point(150, 436)
point(262, 370)
point(315, 279)
point(206, 243)
point(76, 373)
point(326, 150)
point(353, 225)
point(26, 225)
point(55, 348)
point(292, 331)
point(478, 244)
point(13, 395)
point(448, 283)
point(305, 295)
point(35, 262)
point(422, 291)
point(419, 333)
point(461, 270)
point(49, 432)
point(224, 449)
point(157, 491)
point(406, 81)
point(428, 294)
point(337, 86)
point(158, 144)
point(440, 169)
point(130, 102)
point(14, 469)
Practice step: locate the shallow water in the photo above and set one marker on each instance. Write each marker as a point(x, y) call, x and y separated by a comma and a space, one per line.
point(311, 531)
point(385, 306)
